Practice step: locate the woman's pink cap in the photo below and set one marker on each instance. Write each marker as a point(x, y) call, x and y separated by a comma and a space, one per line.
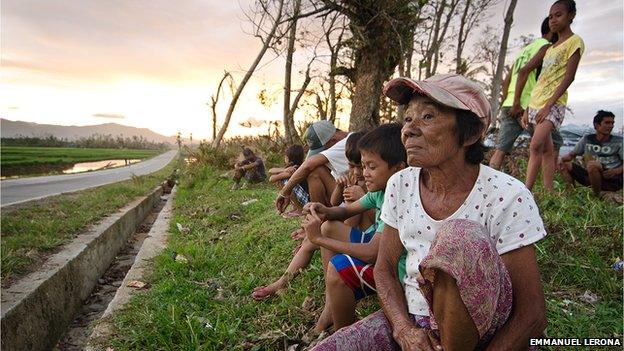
point(450, 90)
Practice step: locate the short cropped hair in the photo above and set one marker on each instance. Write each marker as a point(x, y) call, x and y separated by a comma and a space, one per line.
point(295, 154)
point(248, 153)
point(385, 141)
point(468, 125)
point(601, 114)
point(351, 148)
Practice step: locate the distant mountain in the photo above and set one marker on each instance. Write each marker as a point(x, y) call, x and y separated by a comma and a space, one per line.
point(12, 129)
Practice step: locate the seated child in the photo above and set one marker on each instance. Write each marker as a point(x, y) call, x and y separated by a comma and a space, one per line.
point(293, 158)
point(251, 167)
point(351, 251)
point(303, 255)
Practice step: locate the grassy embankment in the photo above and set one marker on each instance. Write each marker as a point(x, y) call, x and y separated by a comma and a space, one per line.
point(205, 304)
point(33, 231)
point(31, 160)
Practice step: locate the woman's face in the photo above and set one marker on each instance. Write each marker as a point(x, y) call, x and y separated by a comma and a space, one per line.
point(429, 133)
point(559, 18)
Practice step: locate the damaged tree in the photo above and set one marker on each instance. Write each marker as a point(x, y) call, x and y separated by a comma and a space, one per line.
point(266, 44)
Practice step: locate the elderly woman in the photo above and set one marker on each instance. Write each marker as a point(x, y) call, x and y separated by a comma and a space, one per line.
point(470, 276)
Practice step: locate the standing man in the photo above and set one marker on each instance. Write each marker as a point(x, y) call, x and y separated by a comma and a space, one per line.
point(510, 127)
point(326, 162)
point(602, 155)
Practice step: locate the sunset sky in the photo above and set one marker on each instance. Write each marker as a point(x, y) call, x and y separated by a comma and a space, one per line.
point(156, 63)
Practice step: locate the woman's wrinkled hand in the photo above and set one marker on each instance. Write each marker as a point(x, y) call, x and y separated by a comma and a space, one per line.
point(413, 338)
point(353, 193)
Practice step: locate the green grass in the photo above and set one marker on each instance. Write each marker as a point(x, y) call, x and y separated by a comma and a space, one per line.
point(22, 156)
point(228, 258)
point(31, 232)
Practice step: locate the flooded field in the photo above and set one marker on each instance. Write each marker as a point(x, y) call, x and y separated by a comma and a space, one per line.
point(18, 161)
point(42, 169)
point(97, 165)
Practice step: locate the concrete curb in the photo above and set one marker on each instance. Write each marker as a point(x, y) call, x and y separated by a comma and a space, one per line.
point(37, 310)
point(153, 245)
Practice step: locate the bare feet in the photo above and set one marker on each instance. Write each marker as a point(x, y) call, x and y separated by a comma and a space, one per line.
point(615, 196)
point(263, 292)
point(293, 213)
point(325, 320)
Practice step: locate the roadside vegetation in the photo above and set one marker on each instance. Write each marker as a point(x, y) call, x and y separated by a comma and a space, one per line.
point(33, 231)
point(205, 302)
point(97, 141)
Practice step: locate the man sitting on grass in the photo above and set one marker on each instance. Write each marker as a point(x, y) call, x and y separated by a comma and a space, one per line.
point(325, 163)
point(602, 156)
point(351, 252)
point(251, 167)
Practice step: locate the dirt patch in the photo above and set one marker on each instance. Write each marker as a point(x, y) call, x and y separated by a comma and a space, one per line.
point(76, 337)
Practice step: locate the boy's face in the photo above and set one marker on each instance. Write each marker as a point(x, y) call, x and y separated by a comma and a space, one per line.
point(355, 169)
point(376, 171)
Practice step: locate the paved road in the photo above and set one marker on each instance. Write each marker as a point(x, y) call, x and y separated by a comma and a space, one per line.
point(14, 191)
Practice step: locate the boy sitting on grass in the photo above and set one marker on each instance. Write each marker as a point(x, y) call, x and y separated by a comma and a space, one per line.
point(293, 158)
point(305, 251)
point(351, 252)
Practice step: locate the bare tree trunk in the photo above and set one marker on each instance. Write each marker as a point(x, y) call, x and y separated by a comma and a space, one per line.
point(405, 70)
point(333, 60)
point(289, 124)
point(304, 86)
point(248, 75)
point(330, 111)
point(498, 76)
point(461, 39)
point(215, 100)
point(442, 36)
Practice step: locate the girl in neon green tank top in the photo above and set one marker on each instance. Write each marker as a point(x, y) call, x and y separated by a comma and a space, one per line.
point(549, 97)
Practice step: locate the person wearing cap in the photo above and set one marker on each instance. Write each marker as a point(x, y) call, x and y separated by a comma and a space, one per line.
point(326, 162)
point(471, 278)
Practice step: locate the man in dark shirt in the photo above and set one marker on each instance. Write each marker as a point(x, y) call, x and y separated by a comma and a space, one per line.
point(602, 157)
point(252, 168)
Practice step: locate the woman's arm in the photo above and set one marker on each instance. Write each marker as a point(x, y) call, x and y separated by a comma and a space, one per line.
point(528, 315)
point(523, 75)
point(407, 335)
point(570, 73)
